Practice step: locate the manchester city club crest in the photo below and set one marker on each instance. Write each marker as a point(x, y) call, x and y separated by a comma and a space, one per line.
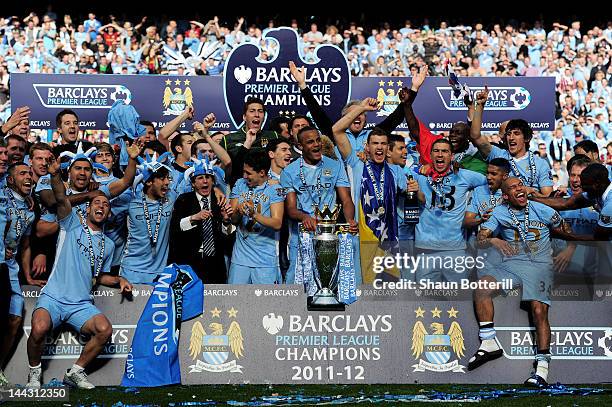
point(216, 351)
point(176, 97)
point(437, 345)
point(387, 96)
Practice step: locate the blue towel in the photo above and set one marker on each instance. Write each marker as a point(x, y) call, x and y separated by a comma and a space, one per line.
point(123, 122)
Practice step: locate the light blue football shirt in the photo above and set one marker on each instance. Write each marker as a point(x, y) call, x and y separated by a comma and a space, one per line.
point(440, 226)
point(256, 245)
point(71, 278)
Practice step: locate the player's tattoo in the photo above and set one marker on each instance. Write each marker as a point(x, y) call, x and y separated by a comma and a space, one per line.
point(484, 238)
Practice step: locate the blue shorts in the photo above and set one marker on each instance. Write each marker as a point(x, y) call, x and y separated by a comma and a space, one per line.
point(17, 302)
point(239, 274)
point(536, 278)
point(74, 315)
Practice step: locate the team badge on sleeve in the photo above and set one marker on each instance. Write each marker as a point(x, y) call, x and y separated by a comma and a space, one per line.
point(556, 219)
point(607, 220)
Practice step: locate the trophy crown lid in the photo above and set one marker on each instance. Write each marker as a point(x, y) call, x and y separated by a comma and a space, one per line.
point(326, 215)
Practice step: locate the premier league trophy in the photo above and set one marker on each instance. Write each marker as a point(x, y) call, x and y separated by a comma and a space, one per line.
point(325, 245)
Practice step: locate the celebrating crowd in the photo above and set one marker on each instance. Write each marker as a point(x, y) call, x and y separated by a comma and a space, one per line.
point(233, 206)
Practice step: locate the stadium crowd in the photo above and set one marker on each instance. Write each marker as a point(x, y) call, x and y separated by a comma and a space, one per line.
point(234, 206)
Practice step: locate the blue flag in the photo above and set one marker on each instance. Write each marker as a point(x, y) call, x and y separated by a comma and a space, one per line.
point(153, 359)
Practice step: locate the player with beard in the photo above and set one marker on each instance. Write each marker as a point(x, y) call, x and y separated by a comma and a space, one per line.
point(525, 229)
point(84, 256)
point(464, 154)
point(376, 214)
point(443, 195)
point(16, 237)
point(313, 179)
point(149, 213)
point(531, 169)
point(80, 186)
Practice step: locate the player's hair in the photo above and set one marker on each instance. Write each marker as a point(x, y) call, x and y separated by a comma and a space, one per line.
point(300, 116)
point(273, 144)
point(96, 193)
point(154, 145)
point(147, 123)
point(377, 131)
point(588, 146)
point(444, 141)
point(159, 174)
point(395, 138)
point(304, 130)
point(177, 141)
point(194, 146)
point(523, 126)
point(40, 147)
point(501, 163)
point(252, 100)
point(257, 159)
point(350, 104)
point(60, 116)
point(14, 137)
point(275, 123)
point(11, 168)
point(597, 172)
point(579, 159)
point(102, 146)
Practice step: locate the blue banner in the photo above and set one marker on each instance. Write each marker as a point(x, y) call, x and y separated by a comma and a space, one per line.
point(159, 98)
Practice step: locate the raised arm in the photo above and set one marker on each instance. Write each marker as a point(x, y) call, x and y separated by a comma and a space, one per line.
point(116, 188)
point(64, 208)
point(319, 116)
point(407, 97)
point(480, 141)
point(220, 152)
point(339, 129)
point(173, 125)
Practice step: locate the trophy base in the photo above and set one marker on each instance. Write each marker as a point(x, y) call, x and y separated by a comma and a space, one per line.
point(324, 300)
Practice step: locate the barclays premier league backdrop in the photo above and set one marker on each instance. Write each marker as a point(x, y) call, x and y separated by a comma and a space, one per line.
point(386, 336)
point(161, 98)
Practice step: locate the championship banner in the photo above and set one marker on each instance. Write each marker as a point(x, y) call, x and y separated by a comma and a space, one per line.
point(160, 98)
point(386, 336)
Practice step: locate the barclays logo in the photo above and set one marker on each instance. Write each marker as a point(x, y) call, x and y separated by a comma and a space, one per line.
point(247, 75)
point(81, 96)
point(511, 98)
point(242, 74)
